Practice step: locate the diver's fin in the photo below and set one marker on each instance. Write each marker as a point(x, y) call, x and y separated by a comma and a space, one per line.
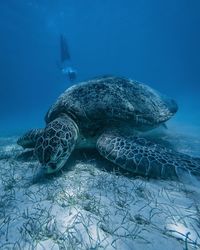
point(64, 51)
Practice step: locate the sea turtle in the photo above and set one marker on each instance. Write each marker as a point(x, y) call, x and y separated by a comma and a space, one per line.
point(105, 113)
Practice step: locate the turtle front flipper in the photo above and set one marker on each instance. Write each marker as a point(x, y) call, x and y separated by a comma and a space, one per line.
point(29, 139)
point(143, 157)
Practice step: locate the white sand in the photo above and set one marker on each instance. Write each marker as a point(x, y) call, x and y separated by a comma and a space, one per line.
point(88, 208)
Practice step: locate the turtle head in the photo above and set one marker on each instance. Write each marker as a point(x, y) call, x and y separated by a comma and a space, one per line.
point(55, 145)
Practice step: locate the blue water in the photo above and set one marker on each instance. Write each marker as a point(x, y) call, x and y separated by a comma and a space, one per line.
point(155, 42)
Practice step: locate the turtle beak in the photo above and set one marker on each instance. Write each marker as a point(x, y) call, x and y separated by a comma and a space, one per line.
point(49, 168)
point(52, 167)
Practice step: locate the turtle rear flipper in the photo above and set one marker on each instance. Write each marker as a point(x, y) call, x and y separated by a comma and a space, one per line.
point(143, 157)
point(29, 139)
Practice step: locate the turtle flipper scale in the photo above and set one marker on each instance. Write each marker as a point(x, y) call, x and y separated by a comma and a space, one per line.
point(143, 157)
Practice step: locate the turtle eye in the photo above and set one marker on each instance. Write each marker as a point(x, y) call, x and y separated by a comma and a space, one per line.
point(52, 165)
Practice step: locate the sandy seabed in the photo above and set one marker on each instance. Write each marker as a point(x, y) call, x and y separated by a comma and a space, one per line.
point(91, 205)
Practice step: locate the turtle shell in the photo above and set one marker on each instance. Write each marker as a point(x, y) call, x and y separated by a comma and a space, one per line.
point(104, 101)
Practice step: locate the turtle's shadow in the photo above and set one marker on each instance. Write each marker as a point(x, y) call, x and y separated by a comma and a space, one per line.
point(87, 156)
point(92, 156)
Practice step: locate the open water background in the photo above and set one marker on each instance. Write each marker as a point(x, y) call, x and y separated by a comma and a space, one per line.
point(155, 42)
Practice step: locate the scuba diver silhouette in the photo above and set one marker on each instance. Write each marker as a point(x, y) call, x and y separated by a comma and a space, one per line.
point(65, 57)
